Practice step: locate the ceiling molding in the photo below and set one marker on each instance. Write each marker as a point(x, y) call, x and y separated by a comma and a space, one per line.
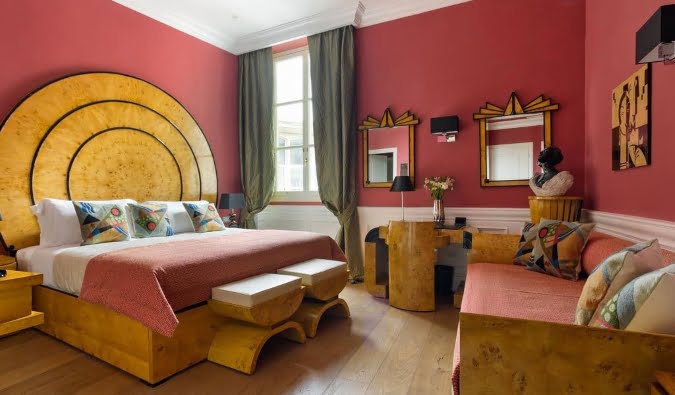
point(395, 9)
point(180, 22)
point(314, 24)
point(356, 13)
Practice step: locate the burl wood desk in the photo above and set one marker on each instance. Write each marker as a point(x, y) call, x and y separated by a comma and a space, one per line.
point(408, 278)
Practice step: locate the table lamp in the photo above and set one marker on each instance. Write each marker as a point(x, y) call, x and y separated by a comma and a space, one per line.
point(402, 184)
point(232, 201)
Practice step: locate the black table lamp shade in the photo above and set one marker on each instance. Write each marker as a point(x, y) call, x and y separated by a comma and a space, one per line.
point(231, 200)
point(402, 184)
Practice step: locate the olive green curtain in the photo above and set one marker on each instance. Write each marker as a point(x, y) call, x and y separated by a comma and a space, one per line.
point(256, 131)
point(331, 57)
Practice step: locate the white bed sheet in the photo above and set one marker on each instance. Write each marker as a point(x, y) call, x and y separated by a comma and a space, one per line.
point(63, 267)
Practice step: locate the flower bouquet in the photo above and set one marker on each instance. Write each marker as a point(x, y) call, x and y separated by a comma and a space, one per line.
point(438, 186)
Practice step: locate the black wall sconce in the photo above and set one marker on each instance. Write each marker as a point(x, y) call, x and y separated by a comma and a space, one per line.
point(655, 41)
point(448, 127)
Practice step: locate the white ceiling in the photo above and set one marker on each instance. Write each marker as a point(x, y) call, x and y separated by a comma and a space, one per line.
point(240, 26)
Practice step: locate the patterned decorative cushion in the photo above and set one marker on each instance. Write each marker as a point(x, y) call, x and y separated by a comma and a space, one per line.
point(557, 248)
point(643, 305)
point(615, 272)
point(102, 222)
point(526, 244)
point(205, 217)
point(150, 220)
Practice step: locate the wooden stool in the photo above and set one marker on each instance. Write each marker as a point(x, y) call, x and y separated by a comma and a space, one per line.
point(323, 280)
point(259, 308)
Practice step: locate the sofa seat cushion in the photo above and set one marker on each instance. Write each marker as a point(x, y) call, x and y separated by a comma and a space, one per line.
point(511, 291)
point(255, 290)
point(314, 271)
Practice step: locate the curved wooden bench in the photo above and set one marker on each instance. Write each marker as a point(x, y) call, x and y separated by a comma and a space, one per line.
point(323, 280)
point(259, 308)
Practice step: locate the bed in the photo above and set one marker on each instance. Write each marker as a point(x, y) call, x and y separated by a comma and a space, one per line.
point(138, 304)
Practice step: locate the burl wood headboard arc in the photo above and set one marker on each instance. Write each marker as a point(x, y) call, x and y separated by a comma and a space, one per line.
point(98, 135)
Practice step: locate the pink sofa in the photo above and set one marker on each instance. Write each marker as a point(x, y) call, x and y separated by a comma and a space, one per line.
point(512, 291)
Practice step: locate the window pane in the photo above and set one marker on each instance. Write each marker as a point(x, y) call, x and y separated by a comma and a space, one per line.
point(288, 79)
point(289, 125)
point(290, 168)
point(313, 183)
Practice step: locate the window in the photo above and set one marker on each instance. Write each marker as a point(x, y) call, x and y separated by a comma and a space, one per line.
point(294, 147)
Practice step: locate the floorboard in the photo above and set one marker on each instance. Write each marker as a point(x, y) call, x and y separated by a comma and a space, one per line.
point(381, 350)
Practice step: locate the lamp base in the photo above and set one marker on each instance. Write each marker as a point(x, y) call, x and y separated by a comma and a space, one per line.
point(233, 220)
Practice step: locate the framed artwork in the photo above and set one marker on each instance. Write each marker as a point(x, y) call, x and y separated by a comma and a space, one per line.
point(631, 126)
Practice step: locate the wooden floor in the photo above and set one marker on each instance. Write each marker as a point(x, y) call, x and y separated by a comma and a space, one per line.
point(381, 350)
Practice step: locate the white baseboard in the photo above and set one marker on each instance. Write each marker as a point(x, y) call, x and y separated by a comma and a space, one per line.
point(633, 228)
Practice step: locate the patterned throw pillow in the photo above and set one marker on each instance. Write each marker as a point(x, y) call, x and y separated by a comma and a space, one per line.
point(102, 222)
point(205, 217)
point(643, 305)
point(150, 220)
point(557, 248)
point(612, 274)
point(526, 244)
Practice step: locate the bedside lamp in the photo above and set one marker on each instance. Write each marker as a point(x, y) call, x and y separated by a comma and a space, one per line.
point(402, 184)
point(232, 201)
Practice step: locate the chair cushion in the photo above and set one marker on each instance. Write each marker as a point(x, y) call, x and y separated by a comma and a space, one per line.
point(255, 290)
point(314, 270)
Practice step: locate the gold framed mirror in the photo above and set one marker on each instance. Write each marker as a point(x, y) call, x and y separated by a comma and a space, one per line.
point(511, 139)
point(388, 148)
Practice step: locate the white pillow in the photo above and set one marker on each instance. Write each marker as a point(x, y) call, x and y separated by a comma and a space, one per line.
point(178, 217)
point(58, 221)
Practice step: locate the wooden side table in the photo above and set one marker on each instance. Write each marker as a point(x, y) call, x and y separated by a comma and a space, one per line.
point(560, 208)
point(7, 262)
point(16, 302)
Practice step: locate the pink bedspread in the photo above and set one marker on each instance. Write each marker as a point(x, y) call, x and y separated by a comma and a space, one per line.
point(149, 283)
point(511, 291)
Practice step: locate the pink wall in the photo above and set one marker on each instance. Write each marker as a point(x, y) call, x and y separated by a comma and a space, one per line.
point(44, 40)
point(392, 138)
point(453, 60)
point(610, 58)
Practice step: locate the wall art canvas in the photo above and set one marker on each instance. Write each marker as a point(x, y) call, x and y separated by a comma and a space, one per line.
point(631, 129)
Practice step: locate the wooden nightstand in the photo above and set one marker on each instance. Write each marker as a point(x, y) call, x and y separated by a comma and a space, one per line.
point(7, 262)
point(16, 302)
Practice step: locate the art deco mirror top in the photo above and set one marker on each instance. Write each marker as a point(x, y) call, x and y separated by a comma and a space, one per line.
point(511, 139)
point(388, 149)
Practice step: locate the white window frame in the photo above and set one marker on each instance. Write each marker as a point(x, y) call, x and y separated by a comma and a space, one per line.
point(306, 195)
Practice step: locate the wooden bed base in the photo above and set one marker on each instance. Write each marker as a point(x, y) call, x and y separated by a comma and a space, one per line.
point(509, 355)
point(124, 342)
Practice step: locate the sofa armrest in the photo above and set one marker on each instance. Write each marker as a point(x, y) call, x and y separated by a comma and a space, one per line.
point(537, 357)
point(493, 248)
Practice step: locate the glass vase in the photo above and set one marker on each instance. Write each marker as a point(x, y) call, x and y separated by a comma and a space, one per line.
point(439, 213)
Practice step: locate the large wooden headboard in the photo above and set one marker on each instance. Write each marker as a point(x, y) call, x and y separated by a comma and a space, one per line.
point(98, 136)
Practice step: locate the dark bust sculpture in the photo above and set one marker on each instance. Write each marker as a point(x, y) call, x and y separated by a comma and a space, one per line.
point(547, 160)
